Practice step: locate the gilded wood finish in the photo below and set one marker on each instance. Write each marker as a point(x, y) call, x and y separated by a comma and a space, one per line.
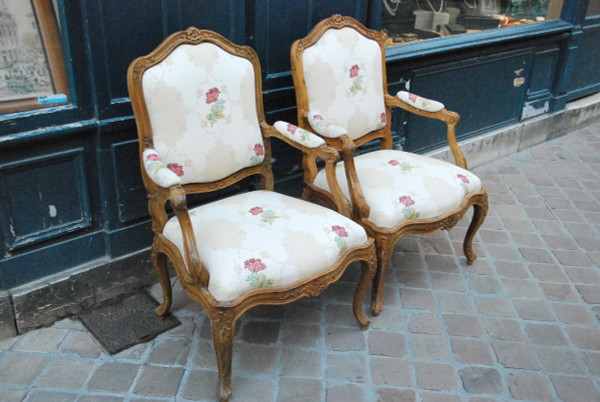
point(194, 277)
point(385, 238)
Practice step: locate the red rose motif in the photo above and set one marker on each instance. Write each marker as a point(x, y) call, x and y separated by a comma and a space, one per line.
point(412, 97)
point(340, 231)
point(394, 162)
point(152, 157)
point(259, 150)
point(212, 95)
point(291, 128)
point(317, 117)
point(256, 210)
point(354, 71)
point(383, 118)
point(254, 265)
point(406, 201)
point(463, 178)
point(176, 168)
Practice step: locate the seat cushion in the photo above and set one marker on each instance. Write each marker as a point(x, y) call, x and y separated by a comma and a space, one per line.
point(400, 186)
point(264, 239)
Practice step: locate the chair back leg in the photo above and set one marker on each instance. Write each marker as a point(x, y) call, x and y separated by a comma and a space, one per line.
point(159, 260)
point(480, 209)
point(385, 246)
point(369, 268)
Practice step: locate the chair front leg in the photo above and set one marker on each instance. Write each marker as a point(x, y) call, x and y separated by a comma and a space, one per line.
point(480, 209)
point(369, 267)
point(223, 330)
point(385, 246)
point(159, 261)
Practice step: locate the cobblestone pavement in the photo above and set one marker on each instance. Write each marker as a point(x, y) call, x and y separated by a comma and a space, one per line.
point(521, 323)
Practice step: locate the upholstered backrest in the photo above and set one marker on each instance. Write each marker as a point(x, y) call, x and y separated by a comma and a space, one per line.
point(344, 82)
point(202, 110)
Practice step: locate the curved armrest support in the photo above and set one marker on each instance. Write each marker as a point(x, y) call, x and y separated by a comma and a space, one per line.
point(323, 126)
point(156, 169)
point(418, 102)
point(450, 118)
point(195, 267)
point(360, 206)
point(298, 135)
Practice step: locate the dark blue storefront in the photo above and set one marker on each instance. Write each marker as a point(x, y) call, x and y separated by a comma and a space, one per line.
point(71, 191)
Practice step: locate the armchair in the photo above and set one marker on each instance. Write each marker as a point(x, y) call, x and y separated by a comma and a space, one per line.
point(341, 94)
point(198, 105)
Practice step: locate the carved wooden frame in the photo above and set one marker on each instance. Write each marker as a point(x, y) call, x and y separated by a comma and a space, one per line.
point(385, 238)
point(192, 274)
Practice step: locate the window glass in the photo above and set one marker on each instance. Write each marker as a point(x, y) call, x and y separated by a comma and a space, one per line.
point(407, 21)
point(593, 8)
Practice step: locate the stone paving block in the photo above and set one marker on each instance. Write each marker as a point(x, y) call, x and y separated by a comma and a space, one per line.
point(158, 381)
point(572, 258)
point(345, 339)
point(134, 353)
point(7, 319)
point(493, 236)
point(548, 272)
point(585, 338)
point(203, 353)
point(529, 385)
point(344, 393)
point(444, 263)
point(113, 377)
point(303, 335)
point(484, 284)
point(301, 363)
point(261, 332)
point(171, 351)
point(340, 314)
point(417, 299)
point(575, 388)
point(387, 344)
point(472, 351)
point(300, 390)
point(21, 369)
point(392, 320)
point(305, 310)
point(45, 340)
point(82, 344)
point(436, 376)
point(251, 389)
point(495, 306)
point(202, 385)
point(515, 355)
point(481, 380)
point(511, 269)
point(573, 314)
point(546, 334)
point(413, 279)
point(346, 366)
point(395, 395)
point(479, 267)
point(391, 371)
point(445, 281)
point(51, 396)
point(587, 276)
point(262, 359)
point(533, 310)
point(502, 252)
point(527, 239)
point(591, 294)
point(66, 374)
point(521, 288)
point(429, 347)
point(425, 323)
point(559, 292)
point(556, 360)
point(463, 325)
point(536, 255)
point(592, 360)
point(504, 329)
point(455, 302)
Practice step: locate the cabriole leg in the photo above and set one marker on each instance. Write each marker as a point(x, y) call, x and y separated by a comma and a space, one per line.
point(223, 329)
point(159, 261)
point(384, 256)
point(479, 213)
point(368, 272)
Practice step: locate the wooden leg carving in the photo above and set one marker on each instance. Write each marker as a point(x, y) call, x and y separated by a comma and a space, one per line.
point(479, 213)
point(384, 257)
point(368, 272)
point(223, 329)
point(160, 266)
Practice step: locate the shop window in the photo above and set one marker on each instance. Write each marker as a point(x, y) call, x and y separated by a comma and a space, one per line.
point(32, 70)
point(406, 21)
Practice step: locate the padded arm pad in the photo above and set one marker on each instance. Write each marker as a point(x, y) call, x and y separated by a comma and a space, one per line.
point(324, 127)
point(424, 104)
point(298, 135)
point(158, 171)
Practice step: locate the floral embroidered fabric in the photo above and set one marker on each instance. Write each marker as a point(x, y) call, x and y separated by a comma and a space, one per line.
point(298, 134)
point(323, 126)
point(418, 102)
point(344, 83)
point(400, 186)
point(196, 98)
point(263, 239)
point(160, 173)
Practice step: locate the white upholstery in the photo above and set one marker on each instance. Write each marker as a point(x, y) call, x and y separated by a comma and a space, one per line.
point(264, 239)
point(400, 186)
point(344, 82)
point(196, 98)
point(418, 102)
point(298, 135)
point(325, 127)
point(163, 175)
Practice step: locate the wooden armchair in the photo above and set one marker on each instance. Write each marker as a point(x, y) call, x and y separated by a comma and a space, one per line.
point(198, 105)
point(341, 93)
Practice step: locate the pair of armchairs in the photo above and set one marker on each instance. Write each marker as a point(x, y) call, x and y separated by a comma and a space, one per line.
point(198, 105)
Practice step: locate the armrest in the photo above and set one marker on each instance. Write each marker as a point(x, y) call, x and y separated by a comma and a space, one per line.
point(158, 171)
point(324, 127)
point(196, 269)
point(434, 110)
point(298, 135)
